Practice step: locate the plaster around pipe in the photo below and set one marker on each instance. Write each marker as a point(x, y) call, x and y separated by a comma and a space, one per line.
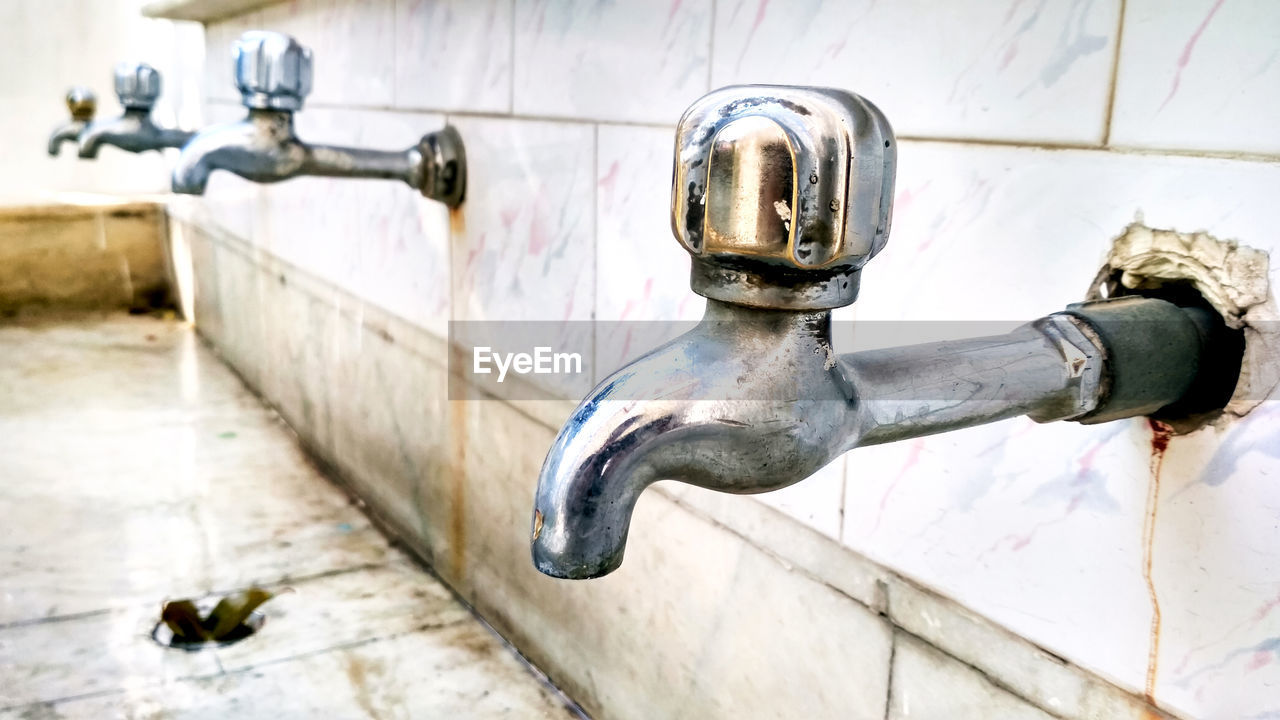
point(1233, 278)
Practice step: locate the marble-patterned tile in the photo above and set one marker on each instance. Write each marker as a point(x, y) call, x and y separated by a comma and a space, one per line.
point(219, 37)
point(454, 54)
point(1214, 569)
point(632, 60)
point(1037, 527)
point(458, 671)
point(1007, 660)
point(929, 684)
point(523, 243)
point(993, 233)
point(816, 501)
point(352, 44)
point(643, 290)
point(991, 70)
point(378, 239)
point(1199, 75)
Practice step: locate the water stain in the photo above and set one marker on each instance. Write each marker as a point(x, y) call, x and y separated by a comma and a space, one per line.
point(358, 672)
point(1160, 436)
point(458, 489)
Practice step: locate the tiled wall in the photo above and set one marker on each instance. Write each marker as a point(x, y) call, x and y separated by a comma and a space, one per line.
point(51, 45)
point(1031, 134)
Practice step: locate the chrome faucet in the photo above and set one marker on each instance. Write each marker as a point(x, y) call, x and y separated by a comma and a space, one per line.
point(781, 195)
point(137, 85)
point(273, 74)
point(82, 104)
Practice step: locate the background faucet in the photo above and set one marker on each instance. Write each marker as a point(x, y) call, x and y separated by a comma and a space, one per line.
point(273, 74)
point(137, 85)
point(82, 104)
point(782, 195)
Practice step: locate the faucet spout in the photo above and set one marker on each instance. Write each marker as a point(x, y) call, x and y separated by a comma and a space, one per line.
point(748, 401)
point(133, 131)
point(67, 132)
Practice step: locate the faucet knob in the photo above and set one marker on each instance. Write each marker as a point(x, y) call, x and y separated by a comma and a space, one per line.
point(137, 85)
point(272, 71)
point(82, 103)
point(781, 194)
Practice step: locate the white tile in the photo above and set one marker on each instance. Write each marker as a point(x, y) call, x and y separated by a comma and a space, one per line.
point(816, 501)
point(973, 69)
point(454, 54)
point(352, 44)
point(1199, 75)
point(1036, 527)
point(379, 239)
point(1214, 566)
point(928, 684)
point(631, 60)
point(992, 233)
point(644, 297)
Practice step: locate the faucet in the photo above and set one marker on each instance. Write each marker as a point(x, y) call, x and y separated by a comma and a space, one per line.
point(781, 195)
point(273, 74)
point(137, 86)
point(82, 104)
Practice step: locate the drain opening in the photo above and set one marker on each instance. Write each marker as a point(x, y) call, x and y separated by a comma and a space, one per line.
point(197, 624)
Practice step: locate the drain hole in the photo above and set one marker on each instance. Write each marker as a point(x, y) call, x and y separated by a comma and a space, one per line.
point(1221, 358)
point(211, 622)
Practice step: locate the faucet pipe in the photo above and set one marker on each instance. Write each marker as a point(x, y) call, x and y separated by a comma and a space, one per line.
point(782, 195)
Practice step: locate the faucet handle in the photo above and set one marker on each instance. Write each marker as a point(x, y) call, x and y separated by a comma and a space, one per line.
point(272, 71)
point(137, 85)
point(82, 103)
point(782, 194)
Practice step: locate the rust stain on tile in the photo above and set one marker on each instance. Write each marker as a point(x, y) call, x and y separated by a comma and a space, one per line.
point(458, 488)
point(1160, 435)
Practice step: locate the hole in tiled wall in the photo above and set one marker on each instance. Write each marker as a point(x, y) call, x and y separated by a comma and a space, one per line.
point(1222, 277)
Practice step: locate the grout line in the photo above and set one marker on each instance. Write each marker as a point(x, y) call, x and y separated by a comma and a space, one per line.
point(844, 493)
point(511, 68)
point(711, 44)
point(595, 242)
point(1115, 73)
point(888, 688)
point(56, 618)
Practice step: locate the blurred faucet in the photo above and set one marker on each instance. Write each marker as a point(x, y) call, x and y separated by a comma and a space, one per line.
point(82, 104)
point(137, 86)
point(782, 195)
point(273, 74)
